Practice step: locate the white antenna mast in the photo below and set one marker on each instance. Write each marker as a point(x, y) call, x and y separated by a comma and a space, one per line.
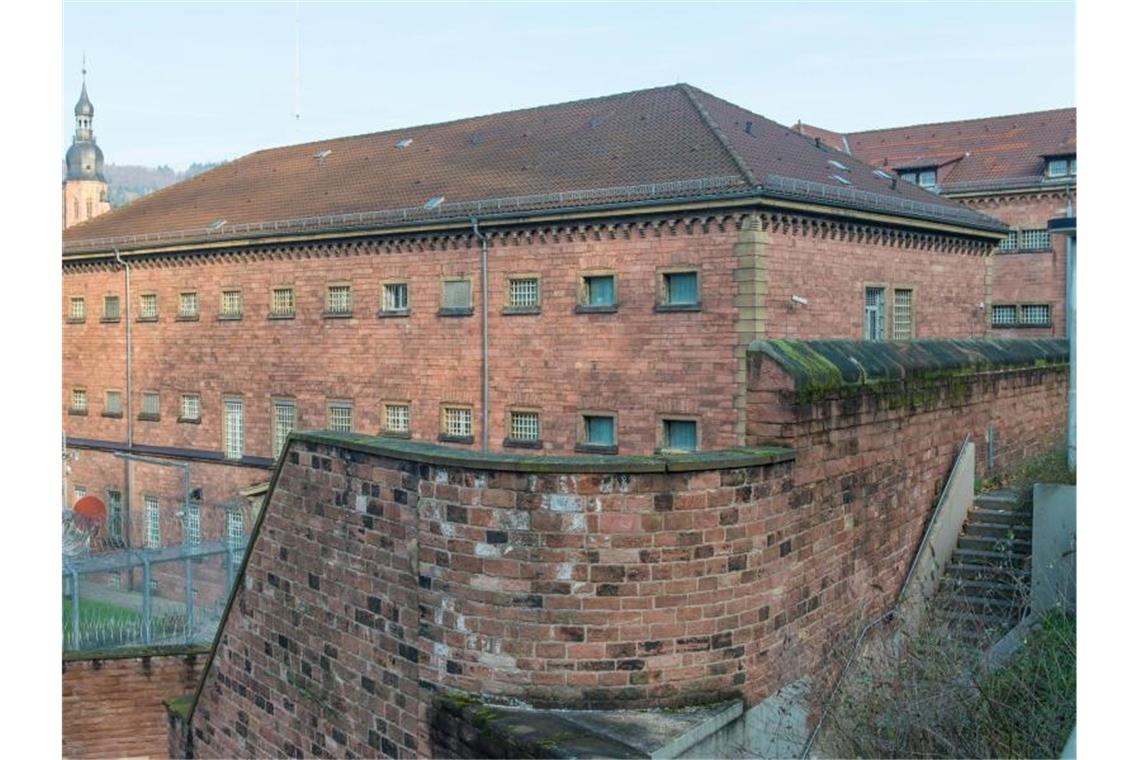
point(297, 60)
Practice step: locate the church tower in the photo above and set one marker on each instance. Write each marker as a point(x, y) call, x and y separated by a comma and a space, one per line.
point(85, 188)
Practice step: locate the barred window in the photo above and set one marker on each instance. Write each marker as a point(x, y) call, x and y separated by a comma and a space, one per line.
point(80, 492)
point(149, 404)
point(338, 299)
point(395, 296)
point(77, 309)
point(281, 304)
point(231, 304)
point(524, 426)
point(1035, 315)
point(193, 524)
point(79, 400)
point(522, 292)
point(233, 428)
point(397, 418)
point(457, 421)
point(115, 514)
point(113, 403)
point(148, 306)
point(111, 308)
point(874, 314)
point(190, 410)
point(902, 321)
point(188, 305)
point(1004, 315)
point(1035, 240)
point(235, 529)
point(153, 529)
point(340, 416)
point(284, 421)
point(1010, 242)
point(456, 295)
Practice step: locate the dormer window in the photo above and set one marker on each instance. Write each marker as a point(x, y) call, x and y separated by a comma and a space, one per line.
point(1060, 166)
point(921, 177)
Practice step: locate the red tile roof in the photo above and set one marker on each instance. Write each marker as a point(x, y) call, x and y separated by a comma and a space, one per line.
point(593, 152)
point(994, 151)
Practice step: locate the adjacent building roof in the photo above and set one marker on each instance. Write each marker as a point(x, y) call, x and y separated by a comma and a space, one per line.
point(632, 148)
point(978, 154)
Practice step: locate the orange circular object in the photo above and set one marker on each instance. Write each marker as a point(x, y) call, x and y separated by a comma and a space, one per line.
point(91, 508)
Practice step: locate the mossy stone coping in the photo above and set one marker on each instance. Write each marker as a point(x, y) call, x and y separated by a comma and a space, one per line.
point(822, 366)
point(429, 453)
point(126, 653)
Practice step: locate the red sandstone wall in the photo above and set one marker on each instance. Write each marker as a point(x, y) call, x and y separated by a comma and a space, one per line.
point(112, 707)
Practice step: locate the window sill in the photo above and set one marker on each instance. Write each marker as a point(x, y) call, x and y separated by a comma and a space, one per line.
point(148, 417)
point(186, 318)
point(517, 443)
point(1023, 326)
point(666, 307)
point(337, 315)
point(395, 434)
point(109, 320)
point(146, 319)
point(280, 316)
point(191, 420)
point(113, 415)
point(510, 311)
point(595, 448)
point(76, 321)
point(229, 317)
point(77, 412)
point(445, 438)
point(382, 314)
point(598, 309)
point(1042, 249)
point(464, 312)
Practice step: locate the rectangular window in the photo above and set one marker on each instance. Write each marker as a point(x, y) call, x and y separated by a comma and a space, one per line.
point(522, 293)
point(679, 435)
point(874, 318)
point(457, 422)
point(281, 303)
point(340, 416)
point(149, 408)
point(679, 289)
point(153, 531)
point(1061, 167)
point(77, 309)
point(113, 404)
point(902, 316)
point(110, 308)
point(598, 292)
point(1035, 240)
point(284, 421)
point(397, 418)
point(189, 410)
point(338, 300)
point(1035, 315)
point(78, 401)
point(231, 305)
point(456, 297)
point(927, 178)
point(524, 426)
point(1010, 242)
point(148, 306)
point(598, 430)
point(80, 492)
point(233, 428)
point(193, 524)
point(1003, 316)
point(115, 514)
point(394, 297)
point(188, 305)
point(235, 530)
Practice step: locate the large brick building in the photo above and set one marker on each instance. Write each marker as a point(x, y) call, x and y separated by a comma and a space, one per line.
point(1021, 169)
point(583, 277)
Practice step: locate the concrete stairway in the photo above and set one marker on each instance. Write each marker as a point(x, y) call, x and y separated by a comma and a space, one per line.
point(985, 587)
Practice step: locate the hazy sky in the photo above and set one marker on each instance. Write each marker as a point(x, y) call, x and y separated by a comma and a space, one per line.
point(174, 83)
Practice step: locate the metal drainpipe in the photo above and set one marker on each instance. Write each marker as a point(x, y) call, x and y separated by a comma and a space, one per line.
point(127, 468)
point(1071, 328)
point(483, 314)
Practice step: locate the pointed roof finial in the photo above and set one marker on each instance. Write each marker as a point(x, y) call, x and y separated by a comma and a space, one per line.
point(84, 70)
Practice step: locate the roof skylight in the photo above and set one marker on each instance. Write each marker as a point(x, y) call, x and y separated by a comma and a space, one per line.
point(433, 202)
point(841, 167)
point(322, 155)
point(216, 224)
point(401, 144)
point(841, 180)
point(882, 174)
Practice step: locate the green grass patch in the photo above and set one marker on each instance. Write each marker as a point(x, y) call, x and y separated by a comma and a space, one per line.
point(92, 612)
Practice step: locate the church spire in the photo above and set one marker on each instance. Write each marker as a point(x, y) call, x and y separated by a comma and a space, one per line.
point(84, 159)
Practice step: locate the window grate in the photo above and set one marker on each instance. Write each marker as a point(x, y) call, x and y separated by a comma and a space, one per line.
point(339, 299)
point(78, 400)
point(187, 305)
point(231, 303)
point(397, 418)
point(1035, 240)
point(874, 317)
point(340, 418)
point(284, 421)
point(190, 407)
point(148, 306)
point(524, 426)
point(523, 292)
point(150, 404)
point(281, 304)
point(395, 296)
point(193, 524)
point(233, 433)
point(1035, 314)
point(153, 530)
point(1010, 242)
point(113, 403)
point(457, 421)
point(110, 307)
point(77, 310)
point(457, 294)
point(902, 327)
point(1003, 315)
point(115, 514)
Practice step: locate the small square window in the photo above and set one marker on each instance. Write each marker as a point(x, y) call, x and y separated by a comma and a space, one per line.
point(149, 409)
point(188, 305)
point(110, 308)
point(679, 289)
point(148, 307)
point(1035, 240)
point(397, 419)
point(340, 416)
point(394, 298)
point(679, 435)
point(338, 301)
point(927, 178)
point(456, 424)
point(281, 303)
point(597, 292)
point(189, 410)
point(77, 309)
point(1035, 315)
point(78, 401)
point(522, 428)
point(597, 433)
point(1060, 167)
point(231, 305)
point(1004, 315)
point(456, 298)
point(113, 404)
point(522, 295)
